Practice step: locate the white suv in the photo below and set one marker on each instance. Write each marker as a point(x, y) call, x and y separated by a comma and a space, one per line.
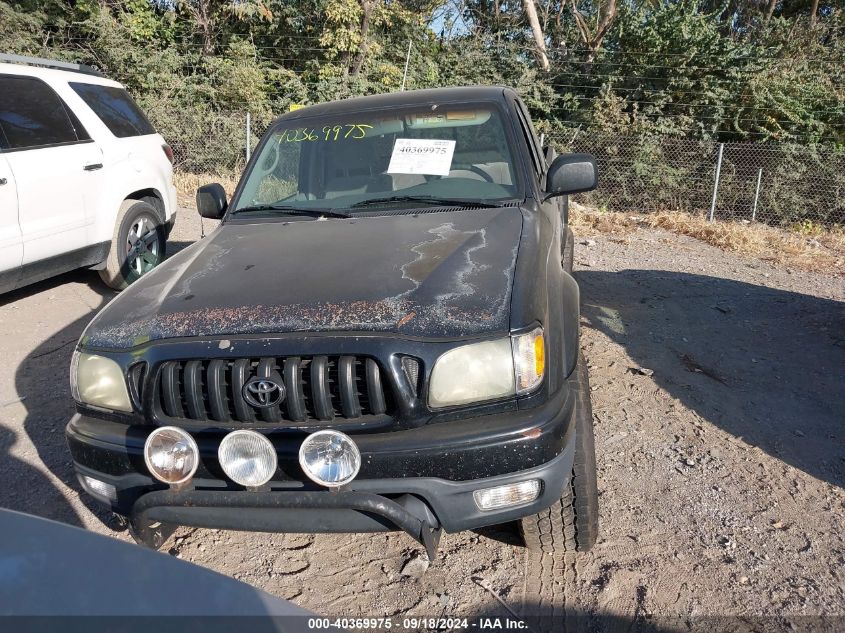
point(85, 180)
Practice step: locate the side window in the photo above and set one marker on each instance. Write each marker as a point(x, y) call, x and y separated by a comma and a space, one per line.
point(276, 173)
point(529, 141)
point(529, 126)
point(115, 108)
point(33, 115)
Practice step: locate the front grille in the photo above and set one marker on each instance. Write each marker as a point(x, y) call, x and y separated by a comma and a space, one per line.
point(317, 388)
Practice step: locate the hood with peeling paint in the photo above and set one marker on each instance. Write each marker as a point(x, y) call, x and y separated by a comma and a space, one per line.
point(434, 274)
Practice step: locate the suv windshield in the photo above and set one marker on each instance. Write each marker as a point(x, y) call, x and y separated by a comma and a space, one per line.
point(408, 157)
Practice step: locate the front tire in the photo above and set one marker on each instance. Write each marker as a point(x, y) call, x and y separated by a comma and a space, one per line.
point(138, 244)
point(572, 523)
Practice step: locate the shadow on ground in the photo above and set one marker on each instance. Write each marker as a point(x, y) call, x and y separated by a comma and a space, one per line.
point(766, 365)
point(41, 381)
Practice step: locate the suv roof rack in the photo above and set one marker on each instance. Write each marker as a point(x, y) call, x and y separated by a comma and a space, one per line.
point(50, 63)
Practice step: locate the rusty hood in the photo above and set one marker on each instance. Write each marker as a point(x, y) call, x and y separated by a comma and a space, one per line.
point(433, 274)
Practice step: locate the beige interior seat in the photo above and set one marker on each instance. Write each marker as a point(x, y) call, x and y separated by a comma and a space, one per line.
point(465, 173)
point(403, 181)
point(499, 172)
point(345, 185)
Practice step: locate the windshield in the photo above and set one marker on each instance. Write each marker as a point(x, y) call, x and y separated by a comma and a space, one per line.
point(405, 158)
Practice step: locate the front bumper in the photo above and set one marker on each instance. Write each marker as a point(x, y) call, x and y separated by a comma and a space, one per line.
point(412, 480)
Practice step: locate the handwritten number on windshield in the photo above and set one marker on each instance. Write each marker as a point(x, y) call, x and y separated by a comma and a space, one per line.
point(330, 133)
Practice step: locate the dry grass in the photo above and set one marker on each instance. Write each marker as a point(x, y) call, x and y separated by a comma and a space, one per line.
point(271, 189)
point(808, 247)
point(187, 185)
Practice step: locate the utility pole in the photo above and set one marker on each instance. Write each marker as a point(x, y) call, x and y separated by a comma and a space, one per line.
point(716, 184)
point(248, 134)
point(407, 61)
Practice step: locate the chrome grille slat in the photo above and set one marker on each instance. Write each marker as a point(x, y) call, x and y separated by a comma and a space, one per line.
point(374, 387)
point(218, 401)
point(172, 400)
point(240, 374)
point(192, 381)
point(293, 382)
point(349, 404)
point(319, 389)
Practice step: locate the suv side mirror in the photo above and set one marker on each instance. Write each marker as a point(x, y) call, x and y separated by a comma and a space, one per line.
point(571, 173)
point(211, 201)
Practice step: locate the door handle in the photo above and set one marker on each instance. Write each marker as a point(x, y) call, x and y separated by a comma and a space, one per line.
point(93, 166)
point(3, 181)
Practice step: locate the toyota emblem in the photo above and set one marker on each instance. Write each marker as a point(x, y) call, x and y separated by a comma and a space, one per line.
point(263, 393)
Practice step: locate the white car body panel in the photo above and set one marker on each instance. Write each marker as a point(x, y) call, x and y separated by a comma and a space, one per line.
point(61, 206)
point(57, 198)
point(11, 244)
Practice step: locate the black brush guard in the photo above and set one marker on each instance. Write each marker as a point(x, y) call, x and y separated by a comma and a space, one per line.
point(153, 533)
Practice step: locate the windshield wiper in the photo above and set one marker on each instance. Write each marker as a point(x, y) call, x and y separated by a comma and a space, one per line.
point(284, 208)
point(451, 202)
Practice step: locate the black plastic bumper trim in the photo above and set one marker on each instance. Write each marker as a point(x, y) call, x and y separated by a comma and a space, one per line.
point(144, 510)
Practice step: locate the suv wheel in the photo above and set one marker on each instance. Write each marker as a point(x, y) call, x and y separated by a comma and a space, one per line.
point(572, 523)
point(138, 244)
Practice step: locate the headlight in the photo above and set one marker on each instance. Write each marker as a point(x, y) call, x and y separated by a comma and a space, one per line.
point(98, 381)
point(488, 370)
point(472, 373)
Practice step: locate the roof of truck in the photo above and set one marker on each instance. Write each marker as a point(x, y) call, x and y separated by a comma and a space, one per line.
point(466, 94)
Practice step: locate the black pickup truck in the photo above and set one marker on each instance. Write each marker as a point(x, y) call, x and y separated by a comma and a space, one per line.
point(381, 334)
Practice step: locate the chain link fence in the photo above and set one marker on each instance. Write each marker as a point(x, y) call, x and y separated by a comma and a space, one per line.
point(775, 183)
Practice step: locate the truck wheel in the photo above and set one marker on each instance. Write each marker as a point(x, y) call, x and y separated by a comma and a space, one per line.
point(138, 244)
point(572, 523)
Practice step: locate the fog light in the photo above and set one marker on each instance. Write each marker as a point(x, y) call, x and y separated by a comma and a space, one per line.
point(330, 458)
point(98, 488)
point(507, 496)
point(171, 455)
point(248, 458)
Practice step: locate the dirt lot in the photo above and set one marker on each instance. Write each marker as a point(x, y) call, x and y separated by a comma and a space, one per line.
point(720, 434)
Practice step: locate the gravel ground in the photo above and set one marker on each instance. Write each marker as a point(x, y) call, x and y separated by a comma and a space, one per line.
point(719, 407)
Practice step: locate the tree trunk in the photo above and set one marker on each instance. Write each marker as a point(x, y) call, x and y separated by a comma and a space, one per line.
point(200, 10)
point(367, 8)
point(592, 41)
point(770, 10)
point(539, 40)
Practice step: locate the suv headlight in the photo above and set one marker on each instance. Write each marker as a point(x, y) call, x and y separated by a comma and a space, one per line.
point(98, 381)
point(488, 370)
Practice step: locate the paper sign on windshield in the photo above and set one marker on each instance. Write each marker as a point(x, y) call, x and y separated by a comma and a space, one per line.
point(429, 157)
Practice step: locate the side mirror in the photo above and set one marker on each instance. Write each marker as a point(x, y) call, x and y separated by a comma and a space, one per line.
point(211, 201)
point(571, 173)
